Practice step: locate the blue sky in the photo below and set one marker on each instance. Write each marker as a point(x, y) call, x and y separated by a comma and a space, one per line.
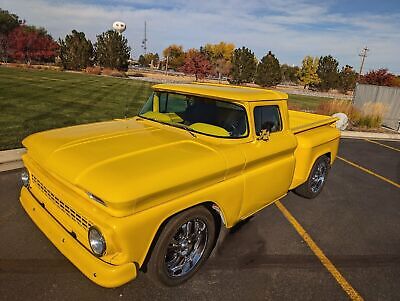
point(291, 29)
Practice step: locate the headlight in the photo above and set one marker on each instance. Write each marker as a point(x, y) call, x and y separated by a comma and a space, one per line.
point(25, 178)
point(97, 242)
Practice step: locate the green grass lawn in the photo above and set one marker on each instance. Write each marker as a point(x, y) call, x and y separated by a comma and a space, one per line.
point(37, 100)
point(306, 102)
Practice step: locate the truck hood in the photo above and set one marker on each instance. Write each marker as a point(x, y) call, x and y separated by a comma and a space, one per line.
point(128, 163)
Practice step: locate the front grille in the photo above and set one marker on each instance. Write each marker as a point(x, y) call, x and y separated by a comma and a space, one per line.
point(64, 207)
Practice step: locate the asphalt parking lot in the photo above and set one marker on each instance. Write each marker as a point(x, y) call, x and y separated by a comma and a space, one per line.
point(354, 222)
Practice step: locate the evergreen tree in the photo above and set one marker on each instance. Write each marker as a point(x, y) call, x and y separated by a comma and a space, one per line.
point(112, 50)
point(328, 73)
point(268, 71)
point(76, 52)
point(148, 60)
point(347, 79)
point(289, 73)
point(244, 65)
point(308, 72)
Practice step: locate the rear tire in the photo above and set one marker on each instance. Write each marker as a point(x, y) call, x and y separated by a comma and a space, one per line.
point(316, 180)
point(184, 244)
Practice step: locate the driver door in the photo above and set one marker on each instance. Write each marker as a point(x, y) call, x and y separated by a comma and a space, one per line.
point(269, 163)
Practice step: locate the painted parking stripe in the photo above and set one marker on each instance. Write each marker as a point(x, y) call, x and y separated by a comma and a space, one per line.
point(369, 172)
point(346, 286)
point(384, 145)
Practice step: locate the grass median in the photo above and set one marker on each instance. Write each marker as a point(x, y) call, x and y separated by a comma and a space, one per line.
point(37, 100)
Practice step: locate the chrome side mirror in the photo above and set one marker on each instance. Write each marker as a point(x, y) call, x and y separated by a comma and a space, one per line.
point(264, 135)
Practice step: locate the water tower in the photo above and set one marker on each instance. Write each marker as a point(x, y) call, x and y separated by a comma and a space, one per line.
point(119, 26)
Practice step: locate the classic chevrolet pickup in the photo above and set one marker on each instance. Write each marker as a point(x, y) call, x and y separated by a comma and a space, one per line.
point(152, 192)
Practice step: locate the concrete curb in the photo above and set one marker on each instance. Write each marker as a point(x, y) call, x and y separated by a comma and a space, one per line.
point(370, 135)
point(11, 159)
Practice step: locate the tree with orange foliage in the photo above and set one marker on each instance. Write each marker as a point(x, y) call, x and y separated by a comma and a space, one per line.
point(176, 56)
point(220, 57)
point(380, 77)
point(196, 63)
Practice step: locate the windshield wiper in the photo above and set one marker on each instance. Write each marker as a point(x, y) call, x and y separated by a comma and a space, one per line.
point(178, 125)
point(185, 127)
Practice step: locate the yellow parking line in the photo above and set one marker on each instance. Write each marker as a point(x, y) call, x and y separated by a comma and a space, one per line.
point(384, 145)
point(369, 171)
point(353, 294)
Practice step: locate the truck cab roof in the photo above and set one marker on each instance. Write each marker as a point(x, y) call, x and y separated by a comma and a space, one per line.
point(223, 92)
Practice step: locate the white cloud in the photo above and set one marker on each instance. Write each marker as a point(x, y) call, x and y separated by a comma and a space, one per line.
point(291, 29)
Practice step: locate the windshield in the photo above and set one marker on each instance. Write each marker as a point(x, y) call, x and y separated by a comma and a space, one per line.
point(198, 114)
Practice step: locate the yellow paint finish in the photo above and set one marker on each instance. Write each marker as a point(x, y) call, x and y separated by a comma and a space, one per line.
point(95, 269)
point(269, 164)
point(369, 172)
point(224, 92)
point(346, 286)
point(146, 171)
point(300, 121)
point(311, 145)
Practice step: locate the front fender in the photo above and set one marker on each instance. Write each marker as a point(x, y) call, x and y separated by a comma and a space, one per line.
point(137, 232)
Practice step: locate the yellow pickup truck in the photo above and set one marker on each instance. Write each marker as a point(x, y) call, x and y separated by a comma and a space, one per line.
point(151, 193)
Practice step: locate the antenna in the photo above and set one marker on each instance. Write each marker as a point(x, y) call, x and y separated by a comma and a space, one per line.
point(144, 42)
point(363, 55)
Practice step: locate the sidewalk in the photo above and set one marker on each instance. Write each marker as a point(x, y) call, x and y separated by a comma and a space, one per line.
point(11, 159)
point(368, 135)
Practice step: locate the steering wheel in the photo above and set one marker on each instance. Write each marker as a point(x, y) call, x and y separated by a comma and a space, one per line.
point(233, 128)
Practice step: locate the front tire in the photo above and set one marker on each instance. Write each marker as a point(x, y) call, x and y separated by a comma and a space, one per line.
point(184, 244)
point(316, 180)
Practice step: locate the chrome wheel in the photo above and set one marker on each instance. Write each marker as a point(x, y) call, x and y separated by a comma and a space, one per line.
point(186, 247)
point(319, 177)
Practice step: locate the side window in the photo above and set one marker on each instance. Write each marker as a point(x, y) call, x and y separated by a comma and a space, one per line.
point(267, 117)
point(176, 103)
point(172, 103)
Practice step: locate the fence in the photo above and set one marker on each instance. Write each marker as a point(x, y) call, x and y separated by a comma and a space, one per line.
point(388, 96)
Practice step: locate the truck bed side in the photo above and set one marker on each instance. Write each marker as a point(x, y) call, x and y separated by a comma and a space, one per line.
point(316, 136)
point(301, 121)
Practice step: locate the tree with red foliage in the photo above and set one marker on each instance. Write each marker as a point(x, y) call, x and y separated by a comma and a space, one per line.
point(8, 21)
point(196, 63)
point(28, 43)
point(380, 77)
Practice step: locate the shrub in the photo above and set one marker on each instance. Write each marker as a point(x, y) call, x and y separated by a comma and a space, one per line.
point(93, 70)
point(337, 106)
point(294, 106)
point(113, 72)
point(136, 74)
point(369, 115)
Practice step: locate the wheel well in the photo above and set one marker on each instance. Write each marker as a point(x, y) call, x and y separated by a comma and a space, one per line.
point(328, 155)
point(208, 205)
